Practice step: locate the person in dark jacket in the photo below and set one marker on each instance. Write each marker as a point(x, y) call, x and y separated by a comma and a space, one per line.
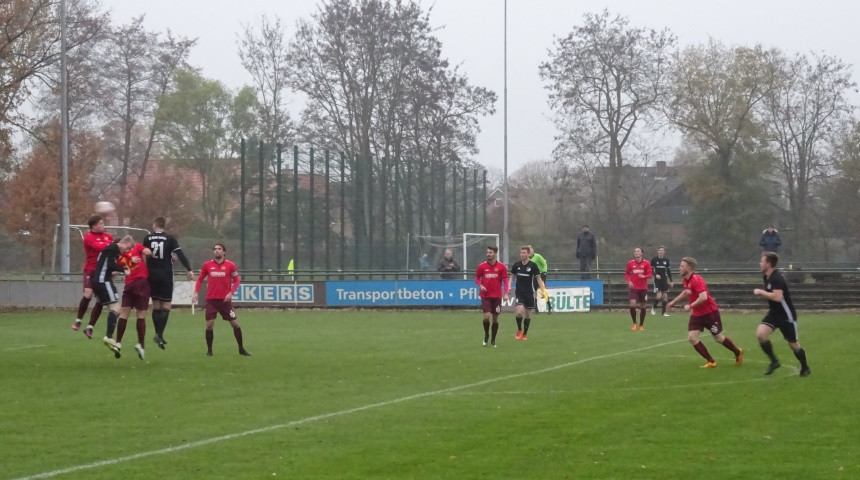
point(586, 251)
point(770, 241)
point(448, 266)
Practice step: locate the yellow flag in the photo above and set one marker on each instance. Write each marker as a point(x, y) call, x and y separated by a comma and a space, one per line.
point(290, 266)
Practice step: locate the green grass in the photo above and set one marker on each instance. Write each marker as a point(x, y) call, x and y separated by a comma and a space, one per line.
point(413, 395)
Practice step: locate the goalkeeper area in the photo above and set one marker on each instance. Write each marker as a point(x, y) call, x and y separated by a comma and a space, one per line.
point(374, 394)
point(469, 249)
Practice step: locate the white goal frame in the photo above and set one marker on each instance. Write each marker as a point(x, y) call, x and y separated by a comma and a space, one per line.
point(81, 229)
point(466, 236)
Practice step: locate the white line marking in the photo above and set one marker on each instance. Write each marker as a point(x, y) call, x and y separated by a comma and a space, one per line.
point(200, 443)
point(24, 347)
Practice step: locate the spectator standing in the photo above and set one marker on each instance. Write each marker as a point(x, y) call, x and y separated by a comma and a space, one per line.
point(770, 241)
point(586, 251)
point(448, 266)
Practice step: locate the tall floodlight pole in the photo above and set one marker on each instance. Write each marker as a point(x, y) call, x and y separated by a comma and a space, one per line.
point(64, 147)
point(505, 187)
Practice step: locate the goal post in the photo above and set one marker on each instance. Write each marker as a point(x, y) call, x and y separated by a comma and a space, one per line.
point(471, 240)
point(468, 247)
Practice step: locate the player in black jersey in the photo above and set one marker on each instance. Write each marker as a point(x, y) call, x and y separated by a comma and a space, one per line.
point(104, 289)
point(662, 280)
point(164, 248)
point(526, 274)
point(781, 314)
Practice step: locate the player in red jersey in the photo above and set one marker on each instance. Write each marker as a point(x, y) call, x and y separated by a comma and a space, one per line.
point(135, 294)
point(704, 313)
point(637, 273)
point(94, 242)
point(223, 283)
point(492, 279)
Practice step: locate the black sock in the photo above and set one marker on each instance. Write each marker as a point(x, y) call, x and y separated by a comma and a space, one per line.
point(767, 347)
point(663, 308)
point(165, 313)
point(519, 322)
point(801, 356)
point(528, 323)
point(633, 314)
point(156, 320)
point(656, 301)
point(111, 323)
point(495, 330)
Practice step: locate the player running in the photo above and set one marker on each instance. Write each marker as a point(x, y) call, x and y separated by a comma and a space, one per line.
point(525, 273)
point(704, 314)
point(781, 314)
point(492, 279)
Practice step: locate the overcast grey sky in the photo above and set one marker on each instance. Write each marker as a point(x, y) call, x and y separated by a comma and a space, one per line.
point(472, 32)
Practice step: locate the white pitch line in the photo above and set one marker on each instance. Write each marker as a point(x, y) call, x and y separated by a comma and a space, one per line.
point(24, 347)
point(200, 443)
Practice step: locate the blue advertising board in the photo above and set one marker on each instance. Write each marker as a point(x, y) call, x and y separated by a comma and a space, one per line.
point(425, 293)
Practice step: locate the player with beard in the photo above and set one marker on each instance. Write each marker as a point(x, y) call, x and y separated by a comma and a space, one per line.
point(223, 283)
point(492, 279)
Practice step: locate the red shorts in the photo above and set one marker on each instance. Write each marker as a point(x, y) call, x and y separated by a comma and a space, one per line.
point(491, 305)
point(709, 321)
point(216, 306)
point(88, 279)
point(640, 295)
point(136, 294)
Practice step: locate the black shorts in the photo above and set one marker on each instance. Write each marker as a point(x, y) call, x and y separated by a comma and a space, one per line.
point(527, 300)
point(661, 286)
point(161, 285)
point(786, 325)
point(105, 292)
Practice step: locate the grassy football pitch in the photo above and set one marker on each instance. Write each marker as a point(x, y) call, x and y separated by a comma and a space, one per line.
point(414, 395)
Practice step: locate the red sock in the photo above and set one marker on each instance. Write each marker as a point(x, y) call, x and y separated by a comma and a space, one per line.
point(82, 307)
point(141, 331)
point(731, 346)
point(120, 329)
point(703, 351)
point(94, 314)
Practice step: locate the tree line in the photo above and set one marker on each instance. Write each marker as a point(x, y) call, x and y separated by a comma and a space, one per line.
point(759, 127)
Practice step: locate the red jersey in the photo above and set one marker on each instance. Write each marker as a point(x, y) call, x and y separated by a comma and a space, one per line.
point(634, 269)
point(136, 270)
point(696, 285)
point(223, 279)
point(94, 243)
point(492, 277)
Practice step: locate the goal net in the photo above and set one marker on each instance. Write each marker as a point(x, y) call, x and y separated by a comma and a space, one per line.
point(76, 242)
point(469, 250)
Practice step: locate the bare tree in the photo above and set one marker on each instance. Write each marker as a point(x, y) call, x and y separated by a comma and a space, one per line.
point(263, 52)
point(604, 77)
point(804, 110)
point(715, 92)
